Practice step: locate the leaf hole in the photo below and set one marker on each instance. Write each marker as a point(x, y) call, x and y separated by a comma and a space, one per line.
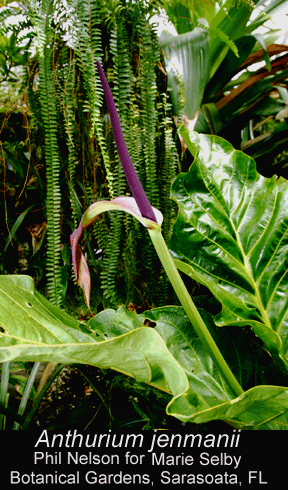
point(148, 323)
point(2, 330)
point(29, 304)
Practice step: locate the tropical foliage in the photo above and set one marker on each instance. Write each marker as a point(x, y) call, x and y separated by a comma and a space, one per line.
point(225, 226)
point(233, 95)
point(246, 275)
point(65, 114)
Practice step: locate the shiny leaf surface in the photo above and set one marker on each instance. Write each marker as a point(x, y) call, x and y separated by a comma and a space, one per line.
point(34, 330)
point(208, 397)
point(231, 235)
point(170, 357)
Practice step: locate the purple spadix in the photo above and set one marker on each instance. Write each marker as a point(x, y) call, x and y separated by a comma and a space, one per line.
point(134, 183)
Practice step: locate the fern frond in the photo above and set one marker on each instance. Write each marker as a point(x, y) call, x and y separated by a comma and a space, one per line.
point(168, 170)
point(121, 94)
point(225, 39)
point(148, 56)
point(216, 32)
point(68, 70)
point(169, 163)
point(49, 114)
point(88, 51)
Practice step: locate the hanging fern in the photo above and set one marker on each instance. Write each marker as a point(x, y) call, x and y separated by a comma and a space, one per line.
point(49, 115)
point(121, 93)
point(148, 56)
point(89, 50)
point(68, 67)
point(147, 80)
point(169, 164)
point(118, 34)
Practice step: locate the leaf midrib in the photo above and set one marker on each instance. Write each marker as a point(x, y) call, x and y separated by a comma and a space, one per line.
point(246, 263)
point(259, 303)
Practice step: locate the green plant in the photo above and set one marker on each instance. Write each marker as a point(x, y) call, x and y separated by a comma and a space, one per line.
point(243, 260)
point(226, 91)
point(71, 159)
point(245, 271)
point(241, 225)
point(265, 136)
point(26, 389)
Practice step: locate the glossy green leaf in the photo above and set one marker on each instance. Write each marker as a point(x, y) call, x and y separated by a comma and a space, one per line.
point(36, 330)
point(170, 357)
point(208, 397)
point(231, 235)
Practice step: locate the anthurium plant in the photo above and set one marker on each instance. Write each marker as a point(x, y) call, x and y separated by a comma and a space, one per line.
point(230, 236)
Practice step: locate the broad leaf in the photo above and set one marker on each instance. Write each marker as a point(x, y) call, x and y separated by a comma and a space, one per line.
point(34, 330)
point(208, 397)
point(231, 235)
point(169, 357)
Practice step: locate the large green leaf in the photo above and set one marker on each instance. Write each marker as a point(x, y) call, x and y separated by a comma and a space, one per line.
point(169, 356)
point(208, 397)
point(231, 235)
point(35, 330)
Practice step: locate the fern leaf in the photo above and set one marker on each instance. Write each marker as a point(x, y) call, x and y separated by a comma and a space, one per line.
point(49, 114)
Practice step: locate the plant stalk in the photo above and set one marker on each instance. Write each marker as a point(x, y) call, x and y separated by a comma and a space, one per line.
point(39, 397)
point(25, 396)
point(5, 372)
point(191, 310)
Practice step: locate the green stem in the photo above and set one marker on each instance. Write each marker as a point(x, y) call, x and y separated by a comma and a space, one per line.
point(25, 396)
point(191, 310)
point(40, 396)
point(5, 372)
